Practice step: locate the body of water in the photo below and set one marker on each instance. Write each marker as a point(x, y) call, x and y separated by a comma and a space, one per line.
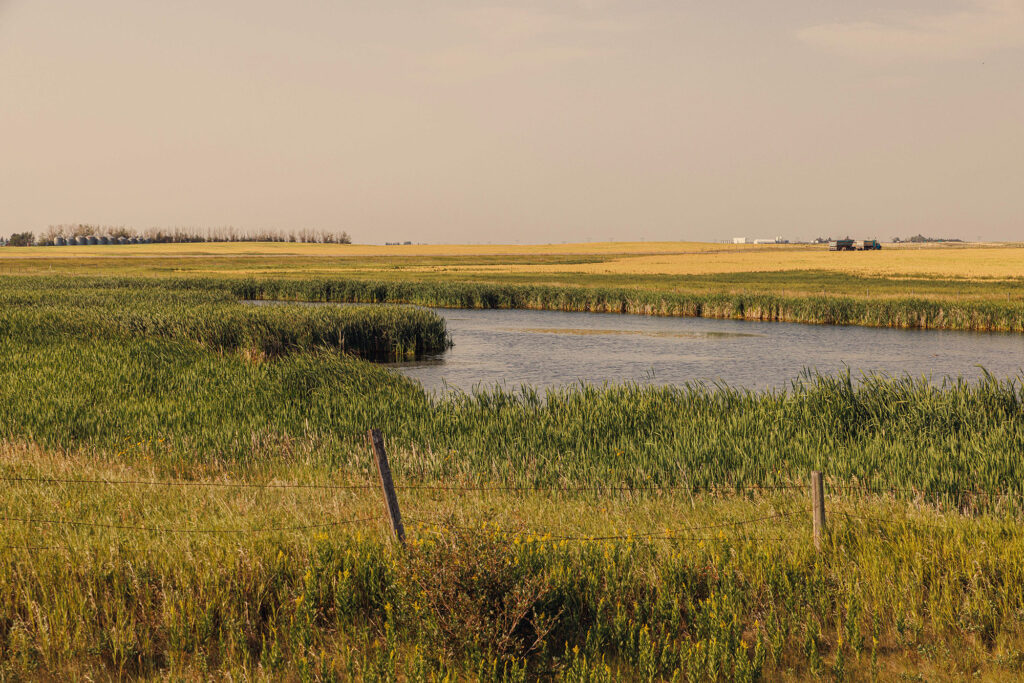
point(551, 348)
point(509, 348)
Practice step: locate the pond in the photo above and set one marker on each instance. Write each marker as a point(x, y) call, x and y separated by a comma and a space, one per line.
point(551, 348)
point(509, 348)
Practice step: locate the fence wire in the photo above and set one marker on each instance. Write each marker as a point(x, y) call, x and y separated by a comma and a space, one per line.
point(557, 535)
point(182, 483)
point(181, 530)
point(654, 535)
point(519, 488)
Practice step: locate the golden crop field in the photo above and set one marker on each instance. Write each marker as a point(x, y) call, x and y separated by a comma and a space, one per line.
point(997, 262)
point(1001, 261)
point(397, 250)
point(988, 260)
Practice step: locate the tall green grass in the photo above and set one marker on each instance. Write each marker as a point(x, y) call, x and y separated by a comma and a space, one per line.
point(903, 312)
point(43, 310)
point(98, 362)
point(767, 301)
point(202, 407)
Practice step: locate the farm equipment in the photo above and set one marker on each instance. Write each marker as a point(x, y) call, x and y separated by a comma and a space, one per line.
point(854, 245)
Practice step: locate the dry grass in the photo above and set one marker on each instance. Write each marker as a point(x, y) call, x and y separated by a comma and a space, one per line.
point(900, 590)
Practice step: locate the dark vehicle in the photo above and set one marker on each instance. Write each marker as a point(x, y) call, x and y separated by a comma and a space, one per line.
point(854, 245)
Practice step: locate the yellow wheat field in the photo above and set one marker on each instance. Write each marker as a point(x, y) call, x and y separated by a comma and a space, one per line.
point(620, 258)
point(977, 262)
point(298, 249)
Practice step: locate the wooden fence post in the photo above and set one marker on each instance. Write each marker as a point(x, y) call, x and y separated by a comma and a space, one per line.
point(818, 507)
point(387, 485)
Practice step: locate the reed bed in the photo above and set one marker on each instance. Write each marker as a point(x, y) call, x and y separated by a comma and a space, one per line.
point(41, 310)
point(815, 297)
point(902, 312)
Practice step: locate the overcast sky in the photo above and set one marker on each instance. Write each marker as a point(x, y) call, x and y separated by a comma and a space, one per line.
point(456, 121)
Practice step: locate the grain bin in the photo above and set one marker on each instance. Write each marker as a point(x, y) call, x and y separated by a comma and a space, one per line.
point(80, 241)
point(59, 241)
point(104, 240)
point(122, 240)
point(91, 239)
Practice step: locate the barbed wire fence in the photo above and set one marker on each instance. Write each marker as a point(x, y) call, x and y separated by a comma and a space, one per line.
point(393, 516)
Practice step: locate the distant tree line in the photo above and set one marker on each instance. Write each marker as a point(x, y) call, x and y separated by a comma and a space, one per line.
point(921, 238)
point(915, 238)
point(55, 233)
point(21, 239)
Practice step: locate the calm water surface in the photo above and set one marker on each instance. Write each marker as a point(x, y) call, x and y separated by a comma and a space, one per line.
point(550, 348)
point(509, 348)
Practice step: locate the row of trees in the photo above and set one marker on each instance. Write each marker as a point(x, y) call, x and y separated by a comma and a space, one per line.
point(176, 235)
point(921, 238)
point(915, 239)
point(21, 239)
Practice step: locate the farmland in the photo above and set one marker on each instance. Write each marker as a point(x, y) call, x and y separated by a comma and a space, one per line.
point(192, 473)
point(953, 260)
point(968, 287)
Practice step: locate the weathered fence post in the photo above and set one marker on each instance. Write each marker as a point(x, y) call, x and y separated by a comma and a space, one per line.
point(387, 485)
point(818, 507)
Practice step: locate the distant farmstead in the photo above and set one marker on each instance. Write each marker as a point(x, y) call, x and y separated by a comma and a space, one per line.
point(744, 240)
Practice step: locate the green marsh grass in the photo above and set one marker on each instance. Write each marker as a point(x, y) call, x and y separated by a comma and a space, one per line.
point(43, 310)
point(812, 297)
point(901, 311)
point(203, 407)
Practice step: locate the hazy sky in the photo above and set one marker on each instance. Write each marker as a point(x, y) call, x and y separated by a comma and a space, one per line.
point(453, 121)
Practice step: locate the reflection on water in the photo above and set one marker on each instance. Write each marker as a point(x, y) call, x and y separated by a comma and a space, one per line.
point(551, 348)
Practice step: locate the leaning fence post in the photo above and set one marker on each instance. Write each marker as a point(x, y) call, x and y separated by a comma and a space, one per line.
point(818, 507)
point(387, 485)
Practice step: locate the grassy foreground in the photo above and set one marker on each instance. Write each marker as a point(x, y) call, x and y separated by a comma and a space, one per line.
point(488, 589)
point(527, 557)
